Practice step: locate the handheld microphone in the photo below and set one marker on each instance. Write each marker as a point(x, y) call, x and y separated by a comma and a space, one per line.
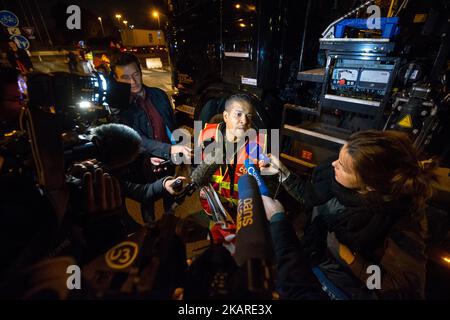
point(200, 177)
point(254, 249)
point(252, 170)
point(254, 152)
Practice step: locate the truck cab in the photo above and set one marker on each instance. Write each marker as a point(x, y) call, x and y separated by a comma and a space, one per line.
point(218, 48)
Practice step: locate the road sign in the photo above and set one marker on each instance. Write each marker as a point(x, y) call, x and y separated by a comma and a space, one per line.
point(21, 41)
point(14, 31)
point(8, 19)
point(29, 32)
point(406, 121)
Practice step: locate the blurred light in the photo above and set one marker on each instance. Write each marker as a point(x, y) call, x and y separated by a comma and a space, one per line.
point(251, 8)
point(238, 6)
point(155, 14)
point(85, 104)
point(446, 259)
point(153, 63)
point(22, 83)
point(118, 16)
point(10, 134)
point(242, 25)
point(125, 22)
point(99, 19)
point(132, 26)
point(104, 84)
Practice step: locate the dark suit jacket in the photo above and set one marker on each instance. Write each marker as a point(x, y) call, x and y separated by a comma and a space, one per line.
point(136, 118)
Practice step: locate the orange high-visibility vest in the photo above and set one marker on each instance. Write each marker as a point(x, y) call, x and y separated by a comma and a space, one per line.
point(221, 180)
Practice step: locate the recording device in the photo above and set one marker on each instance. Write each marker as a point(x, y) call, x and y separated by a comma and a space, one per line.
point(177, 185)
point(164, 163)
point(66, 108)
point(69, 94)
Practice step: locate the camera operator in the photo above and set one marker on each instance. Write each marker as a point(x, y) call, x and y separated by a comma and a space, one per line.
point(27, 222)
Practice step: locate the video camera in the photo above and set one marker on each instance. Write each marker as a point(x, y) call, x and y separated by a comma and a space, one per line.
point(78, 104)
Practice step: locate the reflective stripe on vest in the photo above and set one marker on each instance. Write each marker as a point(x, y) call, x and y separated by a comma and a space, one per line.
point(223, 184)
point(210, 131)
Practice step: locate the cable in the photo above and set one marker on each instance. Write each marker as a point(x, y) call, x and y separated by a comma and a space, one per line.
point(43, 22)
point(402, 6)
point(391, 7)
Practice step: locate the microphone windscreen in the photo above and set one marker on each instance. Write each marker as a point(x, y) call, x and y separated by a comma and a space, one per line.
point(201, 175)
point(253, 237)
point(117, 144)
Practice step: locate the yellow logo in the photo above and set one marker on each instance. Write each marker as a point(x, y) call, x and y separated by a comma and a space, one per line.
point(243, 170)
point(245, 213)
point(406, 122)
point(122, 255)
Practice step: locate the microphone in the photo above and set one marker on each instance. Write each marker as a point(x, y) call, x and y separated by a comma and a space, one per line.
point(117, 145)
point(254, 152)
point(254, 249)
point(201, 176)
point(252, 170)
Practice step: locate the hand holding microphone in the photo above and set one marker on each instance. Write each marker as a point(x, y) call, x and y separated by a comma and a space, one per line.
point(276, 164)
point(271, 207)
point(174, 186)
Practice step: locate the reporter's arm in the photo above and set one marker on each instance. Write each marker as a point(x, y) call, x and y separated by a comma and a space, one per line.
point(156, 148)
point(295, 278)
point(143, 193)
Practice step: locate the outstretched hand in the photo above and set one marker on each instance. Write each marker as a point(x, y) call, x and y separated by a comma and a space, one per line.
point(101, 192)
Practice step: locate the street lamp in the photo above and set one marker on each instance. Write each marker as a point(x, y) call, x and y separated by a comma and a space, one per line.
point(125, 22)
point(101, 25)
point(156, 15)
point(118, 16)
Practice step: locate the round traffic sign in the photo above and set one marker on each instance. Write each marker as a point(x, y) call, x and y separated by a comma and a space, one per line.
point(21, 41)
point(8, 19)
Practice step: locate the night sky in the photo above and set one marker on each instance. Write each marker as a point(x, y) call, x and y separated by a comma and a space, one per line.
point(48, 19)
point(137, 12)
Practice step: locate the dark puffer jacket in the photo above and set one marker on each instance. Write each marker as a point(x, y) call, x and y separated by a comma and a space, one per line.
point(386, 233)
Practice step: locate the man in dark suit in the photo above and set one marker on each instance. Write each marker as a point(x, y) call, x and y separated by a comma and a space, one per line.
point(150, 112)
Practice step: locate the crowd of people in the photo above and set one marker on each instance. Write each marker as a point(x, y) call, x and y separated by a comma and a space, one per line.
point(356, 215)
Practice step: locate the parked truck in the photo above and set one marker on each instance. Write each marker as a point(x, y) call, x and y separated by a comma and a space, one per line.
point(142, 38)
point(317, 65)
point(316, 70)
